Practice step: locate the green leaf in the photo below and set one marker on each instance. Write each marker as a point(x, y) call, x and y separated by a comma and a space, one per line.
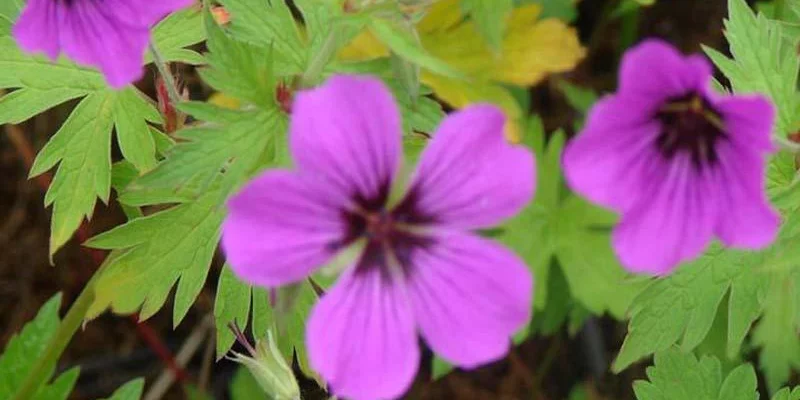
point(244, 386)
point(762, 62)
point(9, 9)
point(787, 394)
point(239, 69)
point(402, 42)
point(269, 24)
point(156, 252)
point(130, 114)
point(23, 350)
point(440, 368)
point(232, 305)
point(241, 141)
point(173, 34)
point(22, 104)
point(61, 386)
point(683, 305)
point(678, 375)
point(490, 18)
point(82, 146)
point(561, 226)
point(777, 331)
point(250, 143)
point(291, 313)
point(129, 391)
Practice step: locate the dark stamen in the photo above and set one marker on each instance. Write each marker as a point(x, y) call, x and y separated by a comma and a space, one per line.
point(690, 124)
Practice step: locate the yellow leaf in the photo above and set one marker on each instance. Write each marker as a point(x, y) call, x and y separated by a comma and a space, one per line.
point(532, 48)
point(364, 47)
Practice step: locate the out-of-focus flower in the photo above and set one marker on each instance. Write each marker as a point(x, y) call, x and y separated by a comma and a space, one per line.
point(111, 35)
point(417, 268)
point(532, 48)
point(681, 163)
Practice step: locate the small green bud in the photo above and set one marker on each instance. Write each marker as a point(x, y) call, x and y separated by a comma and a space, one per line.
point(269, 368)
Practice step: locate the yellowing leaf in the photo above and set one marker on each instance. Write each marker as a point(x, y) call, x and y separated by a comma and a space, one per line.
point(364, 47)
point(531, 49)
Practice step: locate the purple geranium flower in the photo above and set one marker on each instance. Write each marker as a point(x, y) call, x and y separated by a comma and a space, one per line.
point(420, 269)
point(680, 162)
point(109, 34)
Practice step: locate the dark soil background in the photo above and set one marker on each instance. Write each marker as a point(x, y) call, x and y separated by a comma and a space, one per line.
point(114, 349)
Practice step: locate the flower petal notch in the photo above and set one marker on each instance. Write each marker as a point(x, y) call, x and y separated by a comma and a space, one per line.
point(680, 163)
point(111, 35)
point(418, 271)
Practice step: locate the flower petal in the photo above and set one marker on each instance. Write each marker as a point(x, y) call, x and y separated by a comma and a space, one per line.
point(654, 71)
point(672, 220)
point(111, 34)
point(348, 131)
point(747, 220)
point(361, 336)
point(37, 27)
point(469, 176)
point(281, 227)
point(605, 161)
point(470, 295)
point(748, 120)
point(92, 35)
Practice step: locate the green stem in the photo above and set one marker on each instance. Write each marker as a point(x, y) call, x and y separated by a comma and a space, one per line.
point(42, 369)
point(166, 75)
point(320, 60)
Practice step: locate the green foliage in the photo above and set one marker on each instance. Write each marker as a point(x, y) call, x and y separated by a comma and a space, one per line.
point(763, 61)
point(213, 158)
point(678, 375)
point(561, 226)
point(23, 350)
point(287, 319)
point(244, 386)
point(489, 17)
point(403, 42)
point(154, 253)
point(129, 391)
point(269, 24)
point(232, 305)
point(777, 332)
point(82, 146)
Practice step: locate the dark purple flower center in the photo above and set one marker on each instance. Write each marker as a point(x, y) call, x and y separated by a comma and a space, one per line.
point(689, 124)
point(389, 233)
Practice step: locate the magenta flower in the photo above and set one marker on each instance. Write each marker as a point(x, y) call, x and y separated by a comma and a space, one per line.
point(678, 161)
point(420, 270)
point(109, 34)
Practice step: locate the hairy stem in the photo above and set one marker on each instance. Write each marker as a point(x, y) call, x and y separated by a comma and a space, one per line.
point(166, 75)
point(42, 369)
